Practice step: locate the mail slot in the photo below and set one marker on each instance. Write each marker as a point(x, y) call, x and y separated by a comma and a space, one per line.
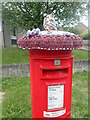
point(54, 73)
point(50, 83)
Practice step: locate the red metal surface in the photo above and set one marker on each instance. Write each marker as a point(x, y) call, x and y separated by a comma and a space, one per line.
point(44, 73)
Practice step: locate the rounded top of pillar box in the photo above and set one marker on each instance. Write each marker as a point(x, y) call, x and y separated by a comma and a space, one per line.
point(50, 40)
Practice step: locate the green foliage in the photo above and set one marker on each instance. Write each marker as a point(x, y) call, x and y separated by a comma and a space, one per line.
point(28, 15)
point(72, 30)
point(84, 35)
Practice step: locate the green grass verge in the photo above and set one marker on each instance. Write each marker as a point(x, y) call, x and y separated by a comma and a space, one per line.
point(80, 54)
point(80, 95)
point(16, 55)
point(17, 99)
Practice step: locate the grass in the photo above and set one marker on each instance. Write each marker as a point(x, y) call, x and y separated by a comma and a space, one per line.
point(16, 102)
point(80, 54)
point(16, 55)
point(80, 95)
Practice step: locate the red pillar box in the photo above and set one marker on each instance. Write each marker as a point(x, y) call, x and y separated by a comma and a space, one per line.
point(51, 63)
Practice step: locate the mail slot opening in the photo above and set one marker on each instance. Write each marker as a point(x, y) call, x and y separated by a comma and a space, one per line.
point(55, 73)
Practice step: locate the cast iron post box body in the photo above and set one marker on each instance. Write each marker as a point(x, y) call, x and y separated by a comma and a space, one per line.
point(51, 83)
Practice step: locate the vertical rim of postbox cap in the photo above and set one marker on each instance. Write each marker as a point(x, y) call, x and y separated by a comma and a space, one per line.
point(51, 42)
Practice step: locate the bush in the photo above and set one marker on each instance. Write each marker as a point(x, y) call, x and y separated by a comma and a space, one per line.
point(72, 30)
point(84, 35)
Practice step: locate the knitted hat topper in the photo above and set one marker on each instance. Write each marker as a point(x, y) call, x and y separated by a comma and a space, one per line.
point(50, 38)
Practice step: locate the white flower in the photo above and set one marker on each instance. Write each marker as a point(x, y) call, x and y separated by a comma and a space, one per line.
point(29, 32)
